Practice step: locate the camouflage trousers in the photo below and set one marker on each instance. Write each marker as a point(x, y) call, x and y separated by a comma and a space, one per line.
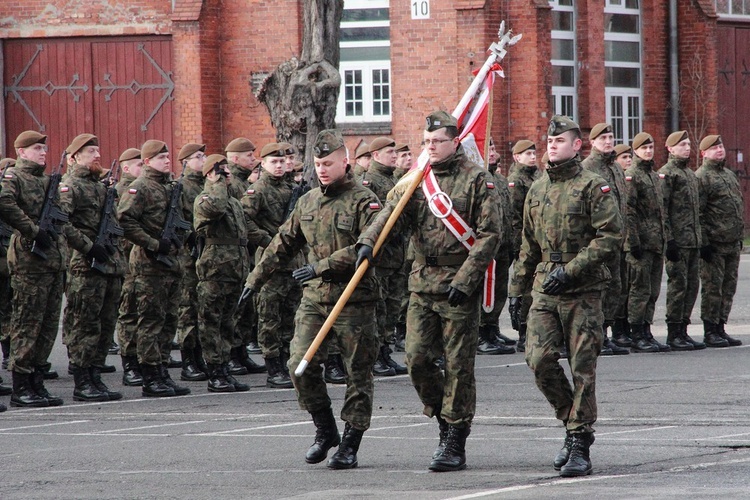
point(187, 317)
point(158, 297)
point(389, 304)
point(90, 316)
point(245, 319)
point(575, 320)
point(6, 307)
point(434, 329)
point(645, 285)
point(37, 299)
point(276, 305)
point(612, 297)
point(525, 306)
point(403, 285)
point(127, 319)
point(719, 282)
point(682, 285)
point(356, 332)
point(217, 303)
point(621, 312)
point(502, 272)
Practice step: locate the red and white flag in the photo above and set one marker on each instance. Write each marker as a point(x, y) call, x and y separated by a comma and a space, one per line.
point(473, 123)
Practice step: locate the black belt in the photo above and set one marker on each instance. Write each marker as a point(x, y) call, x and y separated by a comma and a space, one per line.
point(240, 242)
point(329, 276)
point(558, 257)
point(440, 260)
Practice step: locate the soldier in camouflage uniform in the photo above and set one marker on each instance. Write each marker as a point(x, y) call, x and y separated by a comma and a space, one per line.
point(326, 221)
point(601, 161)
point(379, 179)
point(682, 219)
point(362, 159)
point(624, 156)
point(521, 176)
point(6, 294)
point(265, 206)
point(621, 327)
point(445, 285)
point(142, 212)
point(93, 295)
point(223, 263)
point(571, 229)
point(721, 217)
point(646, 238)
point(193, 366)
point(37, 282)
point(404, 162)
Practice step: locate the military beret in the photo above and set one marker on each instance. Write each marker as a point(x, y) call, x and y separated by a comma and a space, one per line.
point(327, 142)
point(710, 141)
point(255, 164)
point(26, 139)
point(438, 120)
point(599, 129)
point(287, 148)
point(400, 148)
point(130, 154)
point(522, 146)
point(272, 149)
point(558, 125)
point(211, 161)
point(642, 139)
point(7, 162)
point(622, 148)
point(362, 150)
point(152, 148)
point(298, 166)
point(676, 137)
point(380, 143)
point(80, 142)
point(240, 145)
point(189, 149)
point(545, 158)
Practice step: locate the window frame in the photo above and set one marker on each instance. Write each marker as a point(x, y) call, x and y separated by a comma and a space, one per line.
point(561, 92)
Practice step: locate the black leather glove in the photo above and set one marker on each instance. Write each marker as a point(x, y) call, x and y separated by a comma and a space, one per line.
point(555, 281)
point(43, 239)
point(364, 252)
point(514, 308)
point(98, 252)
point(246, 293)
point(164, 247)
point(191, 239)
point(304, 273)
point(636, 252)
point(707, 253)
point(673, 252)
point(456, 297)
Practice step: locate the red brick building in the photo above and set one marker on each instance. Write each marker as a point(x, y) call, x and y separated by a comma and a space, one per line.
point(185, 70)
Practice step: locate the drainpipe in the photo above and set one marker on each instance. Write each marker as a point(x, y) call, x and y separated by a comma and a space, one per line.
point(674, 66)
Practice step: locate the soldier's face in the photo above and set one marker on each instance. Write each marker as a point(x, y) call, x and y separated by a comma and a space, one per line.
point(245, 159)
point(404, 160)
point(90, 157)
point(439, 145)
point(716, 152)
point(289, 165)
point(527, 158)
point(364, 161)
point(133, 167)
point(332, 167)
point(563, 147)
point(604, 143)
point(645, 152)
point(36, 153)
point(195, 161)
point(274, 165)
point(625, 160)
point(386, 156)
point(160, 163)
point(254, 175)
point(681, 149)
point(492, 156)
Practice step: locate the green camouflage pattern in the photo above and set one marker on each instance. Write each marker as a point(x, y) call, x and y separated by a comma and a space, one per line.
point(502, 259)
point(719, 282)
point(239, 180)
point(644, 277)
point(187, 317)
point(721, 203)
point(217, 303)
point(681, 202)
point(158, 298)
point(127, 319)
point(520, 179)
point(682, 285)
point(276, 304)
point(380, 180)
point(645, 214)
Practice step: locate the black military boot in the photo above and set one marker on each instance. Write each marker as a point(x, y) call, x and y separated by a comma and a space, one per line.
point(326, 436)
point(5, 345)
point(386, 353)
point(521, 346)
point(252, 346)
point(620, 333)
point(3, 407)
point(190, 371)
point(711, 335)
point(488, 344)
point(131, 371)
point(4, 390)
point(216, 380)
point(178, 389)
point(502, 339)
point(346, 456)
point(96, 378)
point(37, 383)
point(153, 385)
point(579, 463)
point(235, 366)
point(399, 344)
point(250, 365)
point(697, 345)
point(640, 343)
point(608, 347)
point(200, 363)
point(277, 377)
point(24, 395)
point(674, 338)
point(453, 456)
point(84, 389)
point(562, 456)
point(443, 426)
point(723, 334)
point(238, 386)
point(173, 363)
point(49, 373)
point(334, 369)
point(381, 367)
point(650, 337)
point(113, 348)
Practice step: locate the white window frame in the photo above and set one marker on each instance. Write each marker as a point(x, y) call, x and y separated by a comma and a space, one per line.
point(731, 14)
point(559, 92)
point(625, 94)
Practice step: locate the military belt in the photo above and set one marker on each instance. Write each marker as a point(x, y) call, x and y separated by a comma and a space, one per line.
point(241, 242)
point(558, 257)
point(440, 260)
point(329, 276)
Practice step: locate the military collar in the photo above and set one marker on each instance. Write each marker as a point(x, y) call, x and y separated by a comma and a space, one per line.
point(379, 168)
point(29, 166)
point(126, 176)
point(714, 164)
point(492, 167)
point(677, 161)
point(238, 171)
point(337, 187)
point(272, 179)
point(565, 170)
point(645, 165)
point(78, 170)
point(450, 164)
point(606, 158)
point(151, 173)
point(195, 176)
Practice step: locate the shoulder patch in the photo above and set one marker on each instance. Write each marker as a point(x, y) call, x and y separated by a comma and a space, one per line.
point(662, 176)
point(306, 217)
point(604, 188)
point(204, 198)
point(251, 191)
point(132, 191)
point(64, 189)
point(511, 184)
point(374, 206)
point(490, 185)
point(628, 178)
point(8, 175)
point(365, 183)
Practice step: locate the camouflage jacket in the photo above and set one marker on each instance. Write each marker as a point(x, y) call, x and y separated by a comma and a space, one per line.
point(82, 196)
point(520, 179)
point(379, 179)
point(220, 222)
point(21, 199)
point(721, 203)
point(327, 220)
point(606, 167)
point(265, 205)
point(572, 212)
point(506, 215)
point(681, 202)
point(645, 214)
point(142, 211)
point(122, 185)
point(466, 184)
point(238, 182)
point(192, 185)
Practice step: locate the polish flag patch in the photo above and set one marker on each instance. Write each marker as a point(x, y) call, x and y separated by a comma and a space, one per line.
point(662, 176)
point(628, 178)
point(511, 184)
point(251, 191)
point(365, 183)
point(132, 191)
point(64, 189)
point(605, 189)
point(8, 176)
point(490, 185)
point(374, 206)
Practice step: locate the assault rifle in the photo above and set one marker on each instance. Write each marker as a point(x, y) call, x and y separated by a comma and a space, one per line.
point(51, 217)
point(297, 192)
point(109, 229)
point(5, 230)
point(174, 221)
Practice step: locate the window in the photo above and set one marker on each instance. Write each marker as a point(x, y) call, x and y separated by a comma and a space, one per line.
point(739, 8)
point(365, 62)
point(563, 59)
point(622, 67)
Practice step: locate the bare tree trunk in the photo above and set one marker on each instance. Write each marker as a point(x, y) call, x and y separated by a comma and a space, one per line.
point(301, 94)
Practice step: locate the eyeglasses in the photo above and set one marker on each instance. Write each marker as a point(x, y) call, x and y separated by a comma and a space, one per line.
point(436, 142)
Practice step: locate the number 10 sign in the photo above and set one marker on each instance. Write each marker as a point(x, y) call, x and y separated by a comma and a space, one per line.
point(420, 9)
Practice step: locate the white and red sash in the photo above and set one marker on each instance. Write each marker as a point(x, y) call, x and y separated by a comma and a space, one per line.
point(441, 207)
